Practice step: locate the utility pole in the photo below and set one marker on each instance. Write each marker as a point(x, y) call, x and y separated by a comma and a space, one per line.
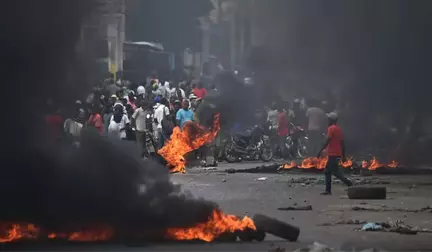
point(113, 12)
point(206, 37)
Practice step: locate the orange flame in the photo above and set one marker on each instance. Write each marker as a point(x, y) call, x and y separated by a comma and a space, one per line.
point(347, 164)
point(217, 224)
point(393, 164)
point(374, 164)
point(94, 234)
point(184, 141)
point(288, 166)
point(318, 163)
point(19, 231)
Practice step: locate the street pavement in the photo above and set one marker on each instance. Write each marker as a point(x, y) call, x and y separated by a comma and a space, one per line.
point(248, 194)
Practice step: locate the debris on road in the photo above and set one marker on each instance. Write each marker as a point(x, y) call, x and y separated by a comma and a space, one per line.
point(277, 249)
point(262, 179)
point(296, 208)
point(209, 168)
point(397, 226)
point(316, 247)
point(382, 208)
point(350, 222)
point(412, 186)
point(371, 226)
point(321, 181)
point(367, 192)
point(276, 227)
point(344, 222)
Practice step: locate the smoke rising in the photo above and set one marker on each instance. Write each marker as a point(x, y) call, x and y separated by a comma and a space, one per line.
point(58, 186)
point(372, 57)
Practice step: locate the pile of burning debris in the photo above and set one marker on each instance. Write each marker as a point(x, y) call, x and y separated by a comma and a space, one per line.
point(219, 227)
point(321, 181)
point(319, 164)
point(190, 138)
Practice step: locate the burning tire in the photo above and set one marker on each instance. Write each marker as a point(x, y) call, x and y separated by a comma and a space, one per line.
point(276, 227)
point(367, 193)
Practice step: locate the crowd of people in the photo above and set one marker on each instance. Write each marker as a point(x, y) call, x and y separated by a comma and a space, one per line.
point(310, 117)
point(145, 113)
point(148, 112)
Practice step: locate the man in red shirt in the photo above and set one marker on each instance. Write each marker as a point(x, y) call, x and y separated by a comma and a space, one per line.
point(200, 91)
point(335, 151)
point(95, 120)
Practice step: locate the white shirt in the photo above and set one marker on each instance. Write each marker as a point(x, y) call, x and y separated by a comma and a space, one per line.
point(316, 117)
point(272, 117)
point(114, 129)
point(141, 90)
point(140, 117)
point(72, 127)
point(182, 93)
point(159, 114)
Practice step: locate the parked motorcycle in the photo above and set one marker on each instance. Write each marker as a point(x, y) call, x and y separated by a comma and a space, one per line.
point(296, 142)
point(252, 144)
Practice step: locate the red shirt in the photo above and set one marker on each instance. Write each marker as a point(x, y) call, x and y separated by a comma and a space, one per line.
point(55, 124)
point(283, 128)
point(97, 122)
point(334, 148)
point(200, 92)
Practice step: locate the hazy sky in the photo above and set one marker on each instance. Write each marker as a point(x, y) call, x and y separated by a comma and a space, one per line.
point(172, 23)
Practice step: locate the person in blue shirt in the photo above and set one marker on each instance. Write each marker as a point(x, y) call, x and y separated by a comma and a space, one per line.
point(184, 114)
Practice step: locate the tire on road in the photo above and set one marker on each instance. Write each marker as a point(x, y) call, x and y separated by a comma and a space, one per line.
point(249, 235)
point(367, 193)
point(276, 227)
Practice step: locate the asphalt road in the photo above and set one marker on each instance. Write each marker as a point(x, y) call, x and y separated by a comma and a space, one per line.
point(244, 194)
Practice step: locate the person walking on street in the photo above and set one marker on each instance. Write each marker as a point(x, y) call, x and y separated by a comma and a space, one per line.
point(335, 151)
point(316, 122)
point(283, 131)
point(139, 122)
point(161, 111)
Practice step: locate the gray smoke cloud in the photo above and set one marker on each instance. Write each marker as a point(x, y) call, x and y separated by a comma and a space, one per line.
point(58, 186)
point(373, 56)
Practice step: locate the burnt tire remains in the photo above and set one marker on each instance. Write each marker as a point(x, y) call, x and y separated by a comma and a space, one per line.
point(367, 193)
point(276, 227)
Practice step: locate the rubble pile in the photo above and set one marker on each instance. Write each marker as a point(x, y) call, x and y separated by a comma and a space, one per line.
point(321, 181)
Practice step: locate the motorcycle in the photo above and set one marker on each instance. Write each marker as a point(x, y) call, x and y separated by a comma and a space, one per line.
point(252, 144)
point(296, 142)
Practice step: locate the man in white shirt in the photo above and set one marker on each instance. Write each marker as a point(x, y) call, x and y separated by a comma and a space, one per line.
point(140, 122)
point(316, 124)
point(161, 111)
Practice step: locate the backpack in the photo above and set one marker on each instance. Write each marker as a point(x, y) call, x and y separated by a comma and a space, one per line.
point(167, 125)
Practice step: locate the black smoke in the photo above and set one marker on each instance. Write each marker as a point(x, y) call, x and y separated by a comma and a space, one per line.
point(57, 186)
point(371, 57)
